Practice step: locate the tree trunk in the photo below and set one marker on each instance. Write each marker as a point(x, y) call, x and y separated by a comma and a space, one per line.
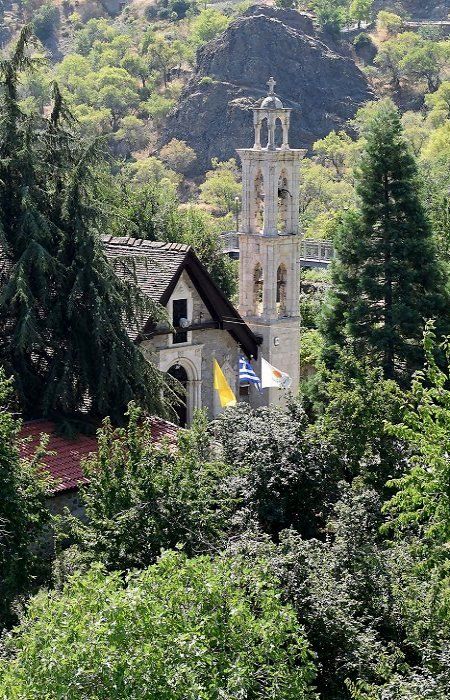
point(388, 359)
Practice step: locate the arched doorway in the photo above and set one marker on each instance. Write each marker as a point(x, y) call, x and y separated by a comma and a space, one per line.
point(179, 373)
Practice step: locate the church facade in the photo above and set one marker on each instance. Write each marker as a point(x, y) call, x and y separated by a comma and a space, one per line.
point(204, 325)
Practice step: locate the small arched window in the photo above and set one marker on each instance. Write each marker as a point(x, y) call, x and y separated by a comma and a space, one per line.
point(258, 204)
point(278, 132)
point(264, 132)
point(281, 289)
point(258, 289)
point(284, 197)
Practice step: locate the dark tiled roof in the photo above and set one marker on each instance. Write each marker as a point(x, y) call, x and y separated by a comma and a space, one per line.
point(155, 264)
point(157, 267)
point(64, 465)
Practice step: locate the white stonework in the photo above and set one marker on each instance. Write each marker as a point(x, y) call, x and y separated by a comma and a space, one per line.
point(197, 353)
point(269, 245)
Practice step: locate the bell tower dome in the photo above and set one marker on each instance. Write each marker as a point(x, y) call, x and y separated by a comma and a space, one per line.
point(269, 241)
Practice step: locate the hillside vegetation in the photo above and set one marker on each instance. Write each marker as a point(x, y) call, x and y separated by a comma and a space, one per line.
point(271, 554)
point(140, 78)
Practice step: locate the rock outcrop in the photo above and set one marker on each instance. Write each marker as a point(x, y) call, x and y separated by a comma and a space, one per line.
point(316, 77)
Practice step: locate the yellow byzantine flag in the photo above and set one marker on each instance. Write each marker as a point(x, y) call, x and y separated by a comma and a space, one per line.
point(226, 396)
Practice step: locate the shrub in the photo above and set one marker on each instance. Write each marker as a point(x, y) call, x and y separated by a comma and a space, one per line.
point(389, 22)
point(45, 20)
point(177, 155)
point(180, 629)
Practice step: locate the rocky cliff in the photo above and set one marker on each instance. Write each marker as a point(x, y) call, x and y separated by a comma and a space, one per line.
point(315, 77)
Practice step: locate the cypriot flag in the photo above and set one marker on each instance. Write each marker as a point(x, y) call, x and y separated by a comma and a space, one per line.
point(271, 376)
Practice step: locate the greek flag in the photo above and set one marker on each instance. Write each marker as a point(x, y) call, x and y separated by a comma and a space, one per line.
point(246, 373)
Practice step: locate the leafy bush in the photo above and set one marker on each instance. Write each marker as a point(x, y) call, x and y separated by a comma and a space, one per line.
point(389, 22)
point(177, 155)
point(310, 348)
point(221, 186)
point(290, 476)
point(143, 498)
point(45, 20)
point(340, 588)
point(209, 24)
point(181, 629)
point(23, 514)
point(158, 107)
point(351, 405)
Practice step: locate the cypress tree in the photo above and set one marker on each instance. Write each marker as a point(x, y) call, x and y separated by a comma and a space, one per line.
point(386, 278)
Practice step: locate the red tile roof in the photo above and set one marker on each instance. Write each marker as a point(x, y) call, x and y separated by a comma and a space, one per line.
point(64, 465)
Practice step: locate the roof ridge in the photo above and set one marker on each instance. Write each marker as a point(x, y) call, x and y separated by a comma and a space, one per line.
point(35, 421)
point(128, 241)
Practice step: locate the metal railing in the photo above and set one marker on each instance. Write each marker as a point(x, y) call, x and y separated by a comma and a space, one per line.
point(313, 252)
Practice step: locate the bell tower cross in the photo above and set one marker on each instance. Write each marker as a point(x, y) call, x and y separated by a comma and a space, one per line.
point(269, 242)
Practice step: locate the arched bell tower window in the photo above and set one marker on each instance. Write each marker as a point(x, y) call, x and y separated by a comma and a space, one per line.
point(283, 200)
point(279, 133)
point(258, 289)
point(258, 203)
point(264, 132)
point(281, 289)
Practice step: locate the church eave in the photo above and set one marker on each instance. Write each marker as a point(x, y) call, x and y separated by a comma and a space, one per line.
point(222, 311)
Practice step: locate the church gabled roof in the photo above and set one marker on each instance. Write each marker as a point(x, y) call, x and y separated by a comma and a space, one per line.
point(158, 267)
point(154, 263)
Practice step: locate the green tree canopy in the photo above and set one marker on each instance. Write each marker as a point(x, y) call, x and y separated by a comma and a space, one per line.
point(386, 279)
point(65, 315)
point(199, 628)
point(23, 514)
point(143, 498)
point(221, 186)
point(290, 474)
point(209, 23)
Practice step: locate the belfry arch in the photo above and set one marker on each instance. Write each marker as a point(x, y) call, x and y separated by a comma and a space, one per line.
point(284, 196)
point(264, 133)
point(258, 202)
point(278, 133)
point(258, 289)
point(281, 289)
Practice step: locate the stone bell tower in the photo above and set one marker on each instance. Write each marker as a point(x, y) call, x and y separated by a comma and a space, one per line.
point(269, 243)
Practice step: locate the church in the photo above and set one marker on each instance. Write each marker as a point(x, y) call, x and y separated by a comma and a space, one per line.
point(205, 324)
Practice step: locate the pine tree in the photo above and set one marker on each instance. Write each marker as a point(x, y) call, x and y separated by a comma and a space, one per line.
point(387, 280)
point(28, 240)
point(65, 316)
point(95, 360)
